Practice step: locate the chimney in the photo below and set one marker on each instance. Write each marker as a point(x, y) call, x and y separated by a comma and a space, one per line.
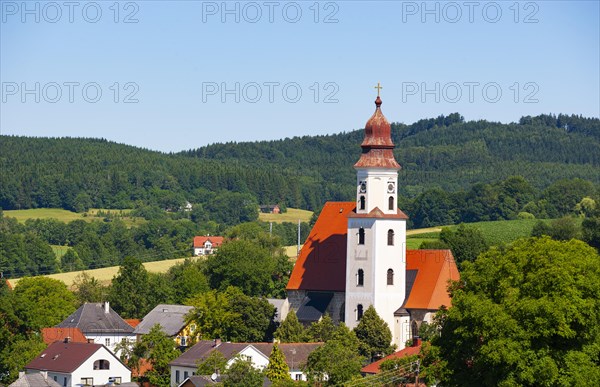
point(106, 307)
point(67, 339)
point(217, 342)
point(90, 341)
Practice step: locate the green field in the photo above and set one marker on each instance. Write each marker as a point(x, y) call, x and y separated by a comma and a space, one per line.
point(495, 232)
point(292, 215)
point(69, 216)
point(59, 251)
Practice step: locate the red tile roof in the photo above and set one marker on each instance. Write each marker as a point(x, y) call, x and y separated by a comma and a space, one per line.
point(134, 322)
point(215, 240)
point(143, 366)
point(321, 264)
point(434, 269)
point(50, 335)
point(373, 368)
point(63, 357)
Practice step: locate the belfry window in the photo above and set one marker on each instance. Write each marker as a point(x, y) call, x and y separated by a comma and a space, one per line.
point(361, 236)
point(391, 203)
point(390, 237)
point(390, 277)
point(362, 203)
point(360, 277)
point(359, 312)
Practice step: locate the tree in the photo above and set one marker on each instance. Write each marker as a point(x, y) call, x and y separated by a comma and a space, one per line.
point(564, 229)
point(344, 348)
point(465, 242)
point(190, 279)
point(215, 362)
point(243, 264)
point(232, 315)
point(128, 293)
point(70, 261)
point(89, 289)
point(277, 369)
point(243, 374)
point(159, 350)
point(42, 302)
point(541, 228)
point(525, 315)
point(591, 231)
point(374, 335)
point(321, 330)
point(290, 330)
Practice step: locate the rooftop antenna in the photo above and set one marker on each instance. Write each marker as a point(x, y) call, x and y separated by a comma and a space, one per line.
point(298, 251)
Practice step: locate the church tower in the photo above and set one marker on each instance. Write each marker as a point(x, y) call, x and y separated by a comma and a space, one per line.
point(376, 243)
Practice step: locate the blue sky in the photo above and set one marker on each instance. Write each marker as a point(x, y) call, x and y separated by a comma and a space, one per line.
point(182, 74)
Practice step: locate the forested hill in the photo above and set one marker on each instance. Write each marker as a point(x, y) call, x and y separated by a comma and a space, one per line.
point(302, 172)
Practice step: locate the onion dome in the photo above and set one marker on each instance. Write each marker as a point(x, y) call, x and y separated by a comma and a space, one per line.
point(377, 146)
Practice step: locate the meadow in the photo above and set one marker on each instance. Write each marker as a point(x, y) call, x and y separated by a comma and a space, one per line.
point(292, 215)
point(94, 214)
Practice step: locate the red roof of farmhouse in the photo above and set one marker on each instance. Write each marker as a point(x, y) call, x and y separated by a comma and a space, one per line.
point(373, 368)
point(215, 240)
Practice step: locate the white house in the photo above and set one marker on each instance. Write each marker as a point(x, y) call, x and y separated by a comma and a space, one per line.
point(296, 355)
point(100, 323)
point(205, 245)
point(79, 364)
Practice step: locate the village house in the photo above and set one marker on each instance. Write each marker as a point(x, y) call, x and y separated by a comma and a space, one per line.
point(206, 245)
point(355, 255)
point(74, 335)
point(34, 379)
point(100, 324)
point(79, 364)
point(270, 209)
point(296, 355)
point(171, 318)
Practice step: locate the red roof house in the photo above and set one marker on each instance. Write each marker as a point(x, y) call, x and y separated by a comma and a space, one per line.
point(373, 368)
point(204, 245)
point(73, 335)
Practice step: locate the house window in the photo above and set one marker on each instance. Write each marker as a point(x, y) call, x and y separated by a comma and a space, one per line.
point(415, 329)
point(182, 341)
point(360, 277)
point(86, 381)
point(361, 236)
point(177, 376)
point(359, 312)
point(362, 202)
point(65, 381)
point(390, 237)
point(102, 365)
point(55, 378)
point(391, 203)
point(115, 379)
point(185, 375)
point(298, 376)
point(192, 328)
point(107, 342)
point(390, 277)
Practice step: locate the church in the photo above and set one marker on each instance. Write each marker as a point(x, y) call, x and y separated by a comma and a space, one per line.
point(355, 256)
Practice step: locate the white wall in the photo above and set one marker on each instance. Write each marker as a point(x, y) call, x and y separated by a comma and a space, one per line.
point(114, 339)
point(116, 369)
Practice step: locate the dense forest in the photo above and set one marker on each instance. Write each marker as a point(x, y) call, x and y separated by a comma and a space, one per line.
point(302, 172)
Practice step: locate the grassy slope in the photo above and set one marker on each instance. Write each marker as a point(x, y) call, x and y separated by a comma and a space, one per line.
point(292, 215)
point(69, 216)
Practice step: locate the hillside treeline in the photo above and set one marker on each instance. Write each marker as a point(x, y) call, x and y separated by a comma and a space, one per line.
point(303, 172)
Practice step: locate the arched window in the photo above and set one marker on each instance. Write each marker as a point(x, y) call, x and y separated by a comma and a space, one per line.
point(359, 312)
point(361, 236)
point(390, 277)
point(360, 277)
point(362, 203)
point(102, 365)
point(415, 329)
point(390, 237)
point(391, 203)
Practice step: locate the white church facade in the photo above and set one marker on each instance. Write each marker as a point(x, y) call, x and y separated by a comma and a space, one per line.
point(355, 255)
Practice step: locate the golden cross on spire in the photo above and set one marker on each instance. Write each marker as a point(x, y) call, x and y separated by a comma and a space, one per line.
point(378, 87)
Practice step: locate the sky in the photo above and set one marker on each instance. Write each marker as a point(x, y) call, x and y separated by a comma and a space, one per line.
point(178, 75)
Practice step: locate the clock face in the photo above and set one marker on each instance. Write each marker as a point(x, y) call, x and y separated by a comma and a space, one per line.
point(391, 188)
point(363, 186)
